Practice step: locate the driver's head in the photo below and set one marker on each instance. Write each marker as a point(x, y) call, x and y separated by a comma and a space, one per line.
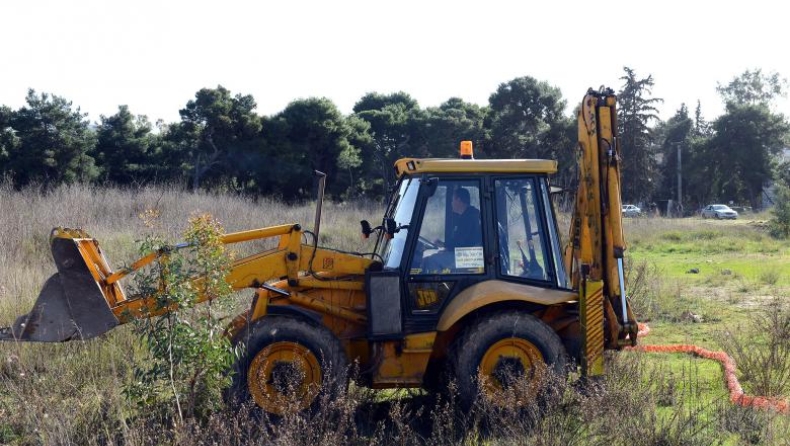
point(460, 200)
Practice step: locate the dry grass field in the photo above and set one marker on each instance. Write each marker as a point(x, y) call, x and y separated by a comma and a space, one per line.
point(73, 393)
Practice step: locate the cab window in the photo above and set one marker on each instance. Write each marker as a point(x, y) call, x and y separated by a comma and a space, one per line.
point(451, 235)
point(391, 251)
point(520, 233)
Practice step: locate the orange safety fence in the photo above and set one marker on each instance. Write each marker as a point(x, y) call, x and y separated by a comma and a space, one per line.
point(737, 394)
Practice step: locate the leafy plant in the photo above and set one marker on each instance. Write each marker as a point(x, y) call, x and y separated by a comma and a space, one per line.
point(188, 352)
point(762, 351)
point(644, 286)
point(770, 276)
point(779, 226)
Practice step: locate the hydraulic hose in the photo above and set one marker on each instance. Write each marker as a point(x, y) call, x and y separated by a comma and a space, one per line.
point(737, 395)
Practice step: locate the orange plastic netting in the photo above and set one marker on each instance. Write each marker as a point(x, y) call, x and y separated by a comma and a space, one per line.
point(737, 394)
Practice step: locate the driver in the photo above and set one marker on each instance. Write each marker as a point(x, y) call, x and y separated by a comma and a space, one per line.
point(465, 231)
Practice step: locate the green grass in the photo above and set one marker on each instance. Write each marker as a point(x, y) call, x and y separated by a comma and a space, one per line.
point(738, 250)
point(724, 272)
point(721, 272)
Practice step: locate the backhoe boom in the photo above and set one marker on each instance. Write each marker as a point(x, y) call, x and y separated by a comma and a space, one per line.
point(594, 257)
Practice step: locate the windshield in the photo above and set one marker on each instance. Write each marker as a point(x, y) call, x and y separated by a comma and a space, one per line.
point(391, 250)
point(721, 207)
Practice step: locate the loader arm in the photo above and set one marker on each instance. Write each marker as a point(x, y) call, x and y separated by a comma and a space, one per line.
point(85, 298)
point(594, 255)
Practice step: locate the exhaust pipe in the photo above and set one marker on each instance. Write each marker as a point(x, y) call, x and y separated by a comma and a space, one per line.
point(72, 304)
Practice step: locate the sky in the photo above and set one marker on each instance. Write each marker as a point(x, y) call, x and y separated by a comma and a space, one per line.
point(155, 55)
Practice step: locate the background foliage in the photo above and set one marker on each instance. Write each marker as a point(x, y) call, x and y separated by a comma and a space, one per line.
point(221, 144)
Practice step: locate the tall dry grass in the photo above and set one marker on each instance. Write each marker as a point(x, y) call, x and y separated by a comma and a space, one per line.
point(113, 216)
point(50, 393)
point(72, 393)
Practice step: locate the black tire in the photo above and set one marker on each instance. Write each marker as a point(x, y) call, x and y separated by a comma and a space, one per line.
point(471, 358)
point(299, 364)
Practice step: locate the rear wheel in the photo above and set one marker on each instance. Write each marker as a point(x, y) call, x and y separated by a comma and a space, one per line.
point(288, 366)
point(505, 358)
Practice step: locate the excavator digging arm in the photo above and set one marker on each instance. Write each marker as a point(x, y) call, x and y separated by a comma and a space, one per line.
point(594, 256)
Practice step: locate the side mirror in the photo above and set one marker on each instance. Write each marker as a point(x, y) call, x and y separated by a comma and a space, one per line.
point(390, 226)
point(366, 229)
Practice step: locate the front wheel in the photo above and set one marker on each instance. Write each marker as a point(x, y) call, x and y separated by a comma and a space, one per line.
point(504, 358)
point(288, 366)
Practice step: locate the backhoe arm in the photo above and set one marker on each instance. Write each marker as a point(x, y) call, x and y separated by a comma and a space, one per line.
point(594, 256)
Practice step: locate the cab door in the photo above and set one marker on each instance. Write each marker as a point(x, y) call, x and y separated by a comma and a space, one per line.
point(449, 252)
point(528, 248)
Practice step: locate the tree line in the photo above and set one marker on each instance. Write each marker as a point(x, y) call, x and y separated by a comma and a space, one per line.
point(221, 143)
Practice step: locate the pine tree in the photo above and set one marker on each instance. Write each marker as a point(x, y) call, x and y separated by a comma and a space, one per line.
point(55, 142)
point(123, 146)
point(637, 110)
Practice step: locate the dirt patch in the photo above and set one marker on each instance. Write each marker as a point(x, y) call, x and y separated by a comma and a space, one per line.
point(730, 295)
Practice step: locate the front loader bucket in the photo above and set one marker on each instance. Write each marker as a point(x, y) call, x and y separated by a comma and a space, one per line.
point(72, 304)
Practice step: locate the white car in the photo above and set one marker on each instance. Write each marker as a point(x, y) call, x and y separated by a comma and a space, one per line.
point(718, 211)
point(630, 210)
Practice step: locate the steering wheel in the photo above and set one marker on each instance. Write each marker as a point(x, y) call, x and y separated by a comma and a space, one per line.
point(427, 243)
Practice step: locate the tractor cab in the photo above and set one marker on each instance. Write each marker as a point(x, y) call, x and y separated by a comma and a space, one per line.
point(456, 223)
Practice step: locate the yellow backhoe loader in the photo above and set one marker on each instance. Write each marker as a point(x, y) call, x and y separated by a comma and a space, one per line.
point(467, 279)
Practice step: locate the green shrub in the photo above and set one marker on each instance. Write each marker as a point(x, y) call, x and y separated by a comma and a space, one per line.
point(643, 286)
point(673, 236)
point(779, 226)
point(707, 234)
point(761, 350)
point(770, 276)
point(189, 354)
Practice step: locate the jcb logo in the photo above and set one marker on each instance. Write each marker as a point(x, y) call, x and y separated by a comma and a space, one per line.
point(426, 298)
point(328, 263)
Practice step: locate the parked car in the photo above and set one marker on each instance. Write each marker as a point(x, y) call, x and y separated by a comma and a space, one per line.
point(630, 210)
point(718, 211)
